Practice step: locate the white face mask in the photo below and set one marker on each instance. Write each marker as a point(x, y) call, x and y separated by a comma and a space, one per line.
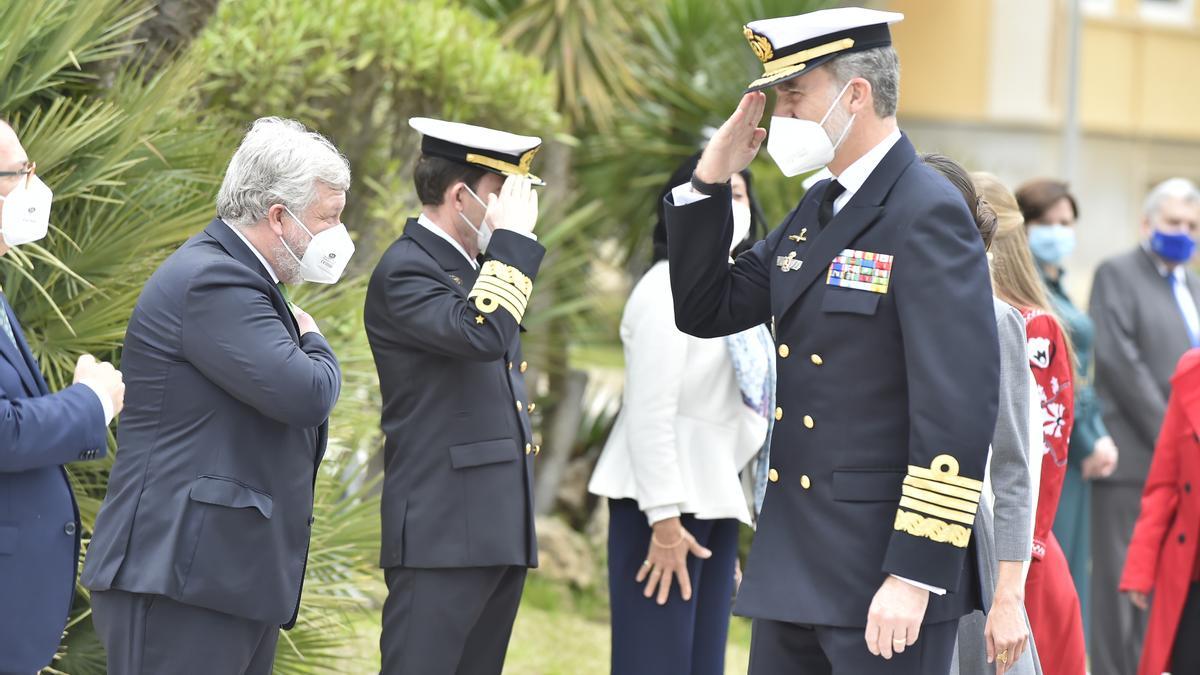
point(741, 224)
point(26, 212)
point(327, 254)
point(799, 145)
point(483, 235)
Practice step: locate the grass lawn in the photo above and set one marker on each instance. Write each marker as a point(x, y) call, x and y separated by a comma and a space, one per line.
point(564, 632)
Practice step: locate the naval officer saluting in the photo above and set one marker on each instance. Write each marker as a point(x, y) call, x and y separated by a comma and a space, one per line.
point(443, 315)
point(878, 288)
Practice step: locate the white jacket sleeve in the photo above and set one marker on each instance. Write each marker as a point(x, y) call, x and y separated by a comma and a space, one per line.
point(655, 361)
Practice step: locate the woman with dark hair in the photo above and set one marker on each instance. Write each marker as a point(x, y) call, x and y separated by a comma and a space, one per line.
point(695, 414)
point(1003, 531)
point(1050, 212)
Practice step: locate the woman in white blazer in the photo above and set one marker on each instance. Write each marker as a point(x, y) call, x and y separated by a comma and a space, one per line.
point(694, 415)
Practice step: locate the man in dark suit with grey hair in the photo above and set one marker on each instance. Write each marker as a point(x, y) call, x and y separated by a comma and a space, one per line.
point(1144, 306)
point(201, 545)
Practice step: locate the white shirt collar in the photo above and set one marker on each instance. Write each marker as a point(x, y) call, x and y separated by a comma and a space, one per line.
point(432, 227)
point(854, 176)
point(261, 259)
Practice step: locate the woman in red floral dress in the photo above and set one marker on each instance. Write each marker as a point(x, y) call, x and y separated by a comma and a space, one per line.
point(1050, 596)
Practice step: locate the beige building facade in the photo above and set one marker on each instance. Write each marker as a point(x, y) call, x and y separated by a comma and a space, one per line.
point(985, 81)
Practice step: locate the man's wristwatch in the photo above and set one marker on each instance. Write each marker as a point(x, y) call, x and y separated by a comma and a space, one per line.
point(710, 189)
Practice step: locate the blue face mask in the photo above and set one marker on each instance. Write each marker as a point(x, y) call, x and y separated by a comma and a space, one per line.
point(1051, 244)
point(1176, 248)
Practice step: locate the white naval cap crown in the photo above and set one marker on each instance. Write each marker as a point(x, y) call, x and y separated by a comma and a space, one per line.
point(791, 45)
point(497, 151)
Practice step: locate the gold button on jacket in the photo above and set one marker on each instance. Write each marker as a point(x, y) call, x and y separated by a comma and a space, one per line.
point(784, 351)
point(778, 414)
point(773, 475)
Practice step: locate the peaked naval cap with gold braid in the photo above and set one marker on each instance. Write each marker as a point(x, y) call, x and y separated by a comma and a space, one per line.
point(497, 151)
point(793, 45)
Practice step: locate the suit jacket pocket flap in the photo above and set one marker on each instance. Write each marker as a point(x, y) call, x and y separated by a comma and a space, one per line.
point(850, 300)
point(8, 539)
point(223, 491)
point(486, 452)
point(867, 485)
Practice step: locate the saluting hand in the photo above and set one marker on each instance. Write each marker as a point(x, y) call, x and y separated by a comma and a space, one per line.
point(736, 143)
point(516, 208)
point(667, 560)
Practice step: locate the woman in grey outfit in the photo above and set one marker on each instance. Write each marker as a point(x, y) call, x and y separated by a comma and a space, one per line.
point(997, 639)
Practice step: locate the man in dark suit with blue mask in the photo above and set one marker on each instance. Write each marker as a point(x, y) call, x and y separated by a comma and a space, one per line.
point(202, 542)
point(39, 432)
point(877, 287)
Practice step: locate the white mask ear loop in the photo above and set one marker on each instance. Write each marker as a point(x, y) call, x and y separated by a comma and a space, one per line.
point(836, 99)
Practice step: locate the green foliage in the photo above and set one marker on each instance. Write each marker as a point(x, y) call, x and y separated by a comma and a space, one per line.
point(357, 70)
point(134, 167)
point(697, 71)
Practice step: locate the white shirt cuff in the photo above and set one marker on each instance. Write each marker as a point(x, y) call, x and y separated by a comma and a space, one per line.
point(527, 234)
point(685, 194)
point(657, 513)
point(932, 589)
point(105, 401)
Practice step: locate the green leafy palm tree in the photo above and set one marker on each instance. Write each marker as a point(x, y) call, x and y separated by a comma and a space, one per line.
point(135, 166)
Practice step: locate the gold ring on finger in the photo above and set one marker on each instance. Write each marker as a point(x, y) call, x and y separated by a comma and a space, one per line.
point(1002, 657)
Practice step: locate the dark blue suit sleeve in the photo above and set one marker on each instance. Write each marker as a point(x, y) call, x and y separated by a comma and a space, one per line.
point(431, 315)
point(233, 335)
point(952, 357)
point(50, 430)
point(712, 297)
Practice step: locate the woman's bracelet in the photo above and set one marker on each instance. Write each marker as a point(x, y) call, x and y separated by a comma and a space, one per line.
point(654, 540)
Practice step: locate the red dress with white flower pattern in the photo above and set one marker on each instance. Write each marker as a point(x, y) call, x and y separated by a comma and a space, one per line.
point(1050, 597)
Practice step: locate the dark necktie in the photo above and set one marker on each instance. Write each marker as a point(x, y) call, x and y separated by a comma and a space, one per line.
point(284, 292)
point(825, 211)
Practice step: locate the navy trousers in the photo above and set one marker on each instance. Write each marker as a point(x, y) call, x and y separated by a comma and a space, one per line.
point(678, 638)
point(778, 647)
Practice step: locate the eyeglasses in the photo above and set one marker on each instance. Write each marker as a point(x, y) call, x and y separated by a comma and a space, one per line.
point(29, 169)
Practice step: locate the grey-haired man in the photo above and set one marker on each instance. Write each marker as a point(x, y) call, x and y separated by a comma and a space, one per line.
point(200, 547)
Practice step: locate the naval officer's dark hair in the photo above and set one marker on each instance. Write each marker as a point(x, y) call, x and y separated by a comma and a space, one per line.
point(433, 175)
point(985, 216)
point(683, 174)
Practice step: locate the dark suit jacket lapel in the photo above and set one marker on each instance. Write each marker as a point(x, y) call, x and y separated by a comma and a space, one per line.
point(19, 355)
point(856, 217)
point(458, 269)
point(238, 249)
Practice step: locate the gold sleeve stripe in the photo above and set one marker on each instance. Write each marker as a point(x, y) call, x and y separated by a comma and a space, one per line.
point(931, 528)
point(935, 510)
point(948, 490)
point(501, 285)
point(487, 303)
point(488, 284)
point(509, 274)
point(941, 500)
point(944, 469)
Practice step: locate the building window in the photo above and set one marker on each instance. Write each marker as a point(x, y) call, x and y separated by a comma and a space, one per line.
point(1167, 11)
point(1104, 8)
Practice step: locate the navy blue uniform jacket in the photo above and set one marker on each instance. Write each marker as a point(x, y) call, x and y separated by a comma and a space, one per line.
point(887, 397)
point(458, 477)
